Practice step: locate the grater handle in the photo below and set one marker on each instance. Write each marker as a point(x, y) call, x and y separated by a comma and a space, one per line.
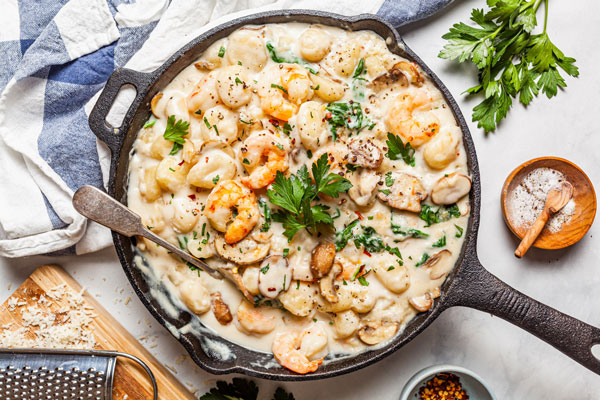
point(141, 364)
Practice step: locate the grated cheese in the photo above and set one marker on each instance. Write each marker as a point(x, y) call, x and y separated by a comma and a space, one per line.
point(66, 327)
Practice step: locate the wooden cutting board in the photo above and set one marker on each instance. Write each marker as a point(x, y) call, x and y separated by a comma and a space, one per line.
point(130, 380)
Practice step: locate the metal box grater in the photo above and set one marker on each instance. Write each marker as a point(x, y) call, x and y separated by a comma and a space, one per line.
point(32, 374)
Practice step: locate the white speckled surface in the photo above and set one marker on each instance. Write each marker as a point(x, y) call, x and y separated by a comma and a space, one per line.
point(514, 363)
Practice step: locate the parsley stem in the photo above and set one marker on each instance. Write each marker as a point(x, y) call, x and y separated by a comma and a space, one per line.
point(545, 14)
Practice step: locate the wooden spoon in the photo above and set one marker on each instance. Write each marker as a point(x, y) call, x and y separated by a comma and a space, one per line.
point(557, 198)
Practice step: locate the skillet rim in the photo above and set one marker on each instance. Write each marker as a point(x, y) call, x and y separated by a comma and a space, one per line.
point(147, 83)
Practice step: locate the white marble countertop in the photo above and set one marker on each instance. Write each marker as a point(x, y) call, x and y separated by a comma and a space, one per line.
point(515, 364)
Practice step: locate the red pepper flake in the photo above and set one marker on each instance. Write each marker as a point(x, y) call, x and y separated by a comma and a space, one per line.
point(360, 216)
point(192, 196)
point(328, 115)
point(181, 163)
point(271, 289)
point(367, 253)
point(276, 123)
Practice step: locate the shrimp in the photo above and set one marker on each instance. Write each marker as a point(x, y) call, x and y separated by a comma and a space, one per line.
point(286, 86)
point(227, 196)
point(263, 155)
point(253, 319)
point(410, 116)
point(204, 96)
point(290, 350)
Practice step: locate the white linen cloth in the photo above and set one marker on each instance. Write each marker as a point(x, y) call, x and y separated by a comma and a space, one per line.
point(57, 55)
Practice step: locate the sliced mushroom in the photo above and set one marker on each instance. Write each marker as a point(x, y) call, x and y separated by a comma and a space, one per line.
point(275, 276)
point(322, 259)
point(440, 264)
point(220, 309)
point(392, 77)
point(364, 153)
point(450, 188)
point(364, 184)
point(244, 252)
point(376, 332)
point(326, 285)
point(154, 104)
point(406, 192)
point(422, 303)
point(204, 65)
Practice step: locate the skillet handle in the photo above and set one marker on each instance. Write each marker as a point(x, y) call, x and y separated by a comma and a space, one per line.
point(113, 136)
point(477, 288)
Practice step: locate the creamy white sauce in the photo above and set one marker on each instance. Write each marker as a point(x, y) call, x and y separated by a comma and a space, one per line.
point(177, 214)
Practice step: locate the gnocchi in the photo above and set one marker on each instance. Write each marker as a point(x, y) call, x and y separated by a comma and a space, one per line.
point(322, 173)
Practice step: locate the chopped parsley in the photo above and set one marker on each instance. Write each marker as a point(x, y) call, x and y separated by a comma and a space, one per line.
point(286, 251)
point(221, 52)
point(289, 59)
point(423, 259)
point(267, 215)
point(342, 237)
point(238, 81)
point(389, 181)
point(441, 242)
point(215, 179)
point(149, 124)
point(246, 161)
point(459, 231)
point(284, 90)
point(265, 269)
point(345, 115)
point(432, 215)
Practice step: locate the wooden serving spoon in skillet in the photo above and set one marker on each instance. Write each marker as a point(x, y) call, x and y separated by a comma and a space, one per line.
point(557, 198)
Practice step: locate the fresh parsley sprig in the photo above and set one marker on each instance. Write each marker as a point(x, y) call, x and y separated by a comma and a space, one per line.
point(512, 60)
point(398, 150)
point(175, 132)
point(295, 195)
point(241, 389)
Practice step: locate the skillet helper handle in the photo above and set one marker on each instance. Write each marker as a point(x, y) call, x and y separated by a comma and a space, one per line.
point(479, 289)
point(110, 135)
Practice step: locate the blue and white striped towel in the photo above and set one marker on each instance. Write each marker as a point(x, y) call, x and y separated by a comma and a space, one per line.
point(56, 57)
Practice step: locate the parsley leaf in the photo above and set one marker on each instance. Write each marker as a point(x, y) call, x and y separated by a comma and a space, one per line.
point(512, 61)
point(296, 194)
point(332, 184)
point(397, 149)
point(175, 132)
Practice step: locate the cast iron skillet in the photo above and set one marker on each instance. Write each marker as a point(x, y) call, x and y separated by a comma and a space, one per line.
point(468, 285)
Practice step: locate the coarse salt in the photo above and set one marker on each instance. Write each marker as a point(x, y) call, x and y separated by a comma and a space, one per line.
point(527, 200)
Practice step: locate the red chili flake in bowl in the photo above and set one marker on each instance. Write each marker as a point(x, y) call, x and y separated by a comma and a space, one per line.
point(443, 386)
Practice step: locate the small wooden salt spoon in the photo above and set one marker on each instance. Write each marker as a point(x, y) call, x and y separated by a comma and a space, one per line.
point(557, 198)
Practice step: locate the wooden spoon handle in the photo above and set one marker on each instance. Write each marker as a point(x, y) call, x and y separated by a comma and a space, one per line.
point(532, 233)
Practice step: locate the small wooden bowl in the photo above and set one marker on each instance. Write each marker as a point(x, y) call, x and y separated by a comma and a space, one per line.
point(584, 197)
